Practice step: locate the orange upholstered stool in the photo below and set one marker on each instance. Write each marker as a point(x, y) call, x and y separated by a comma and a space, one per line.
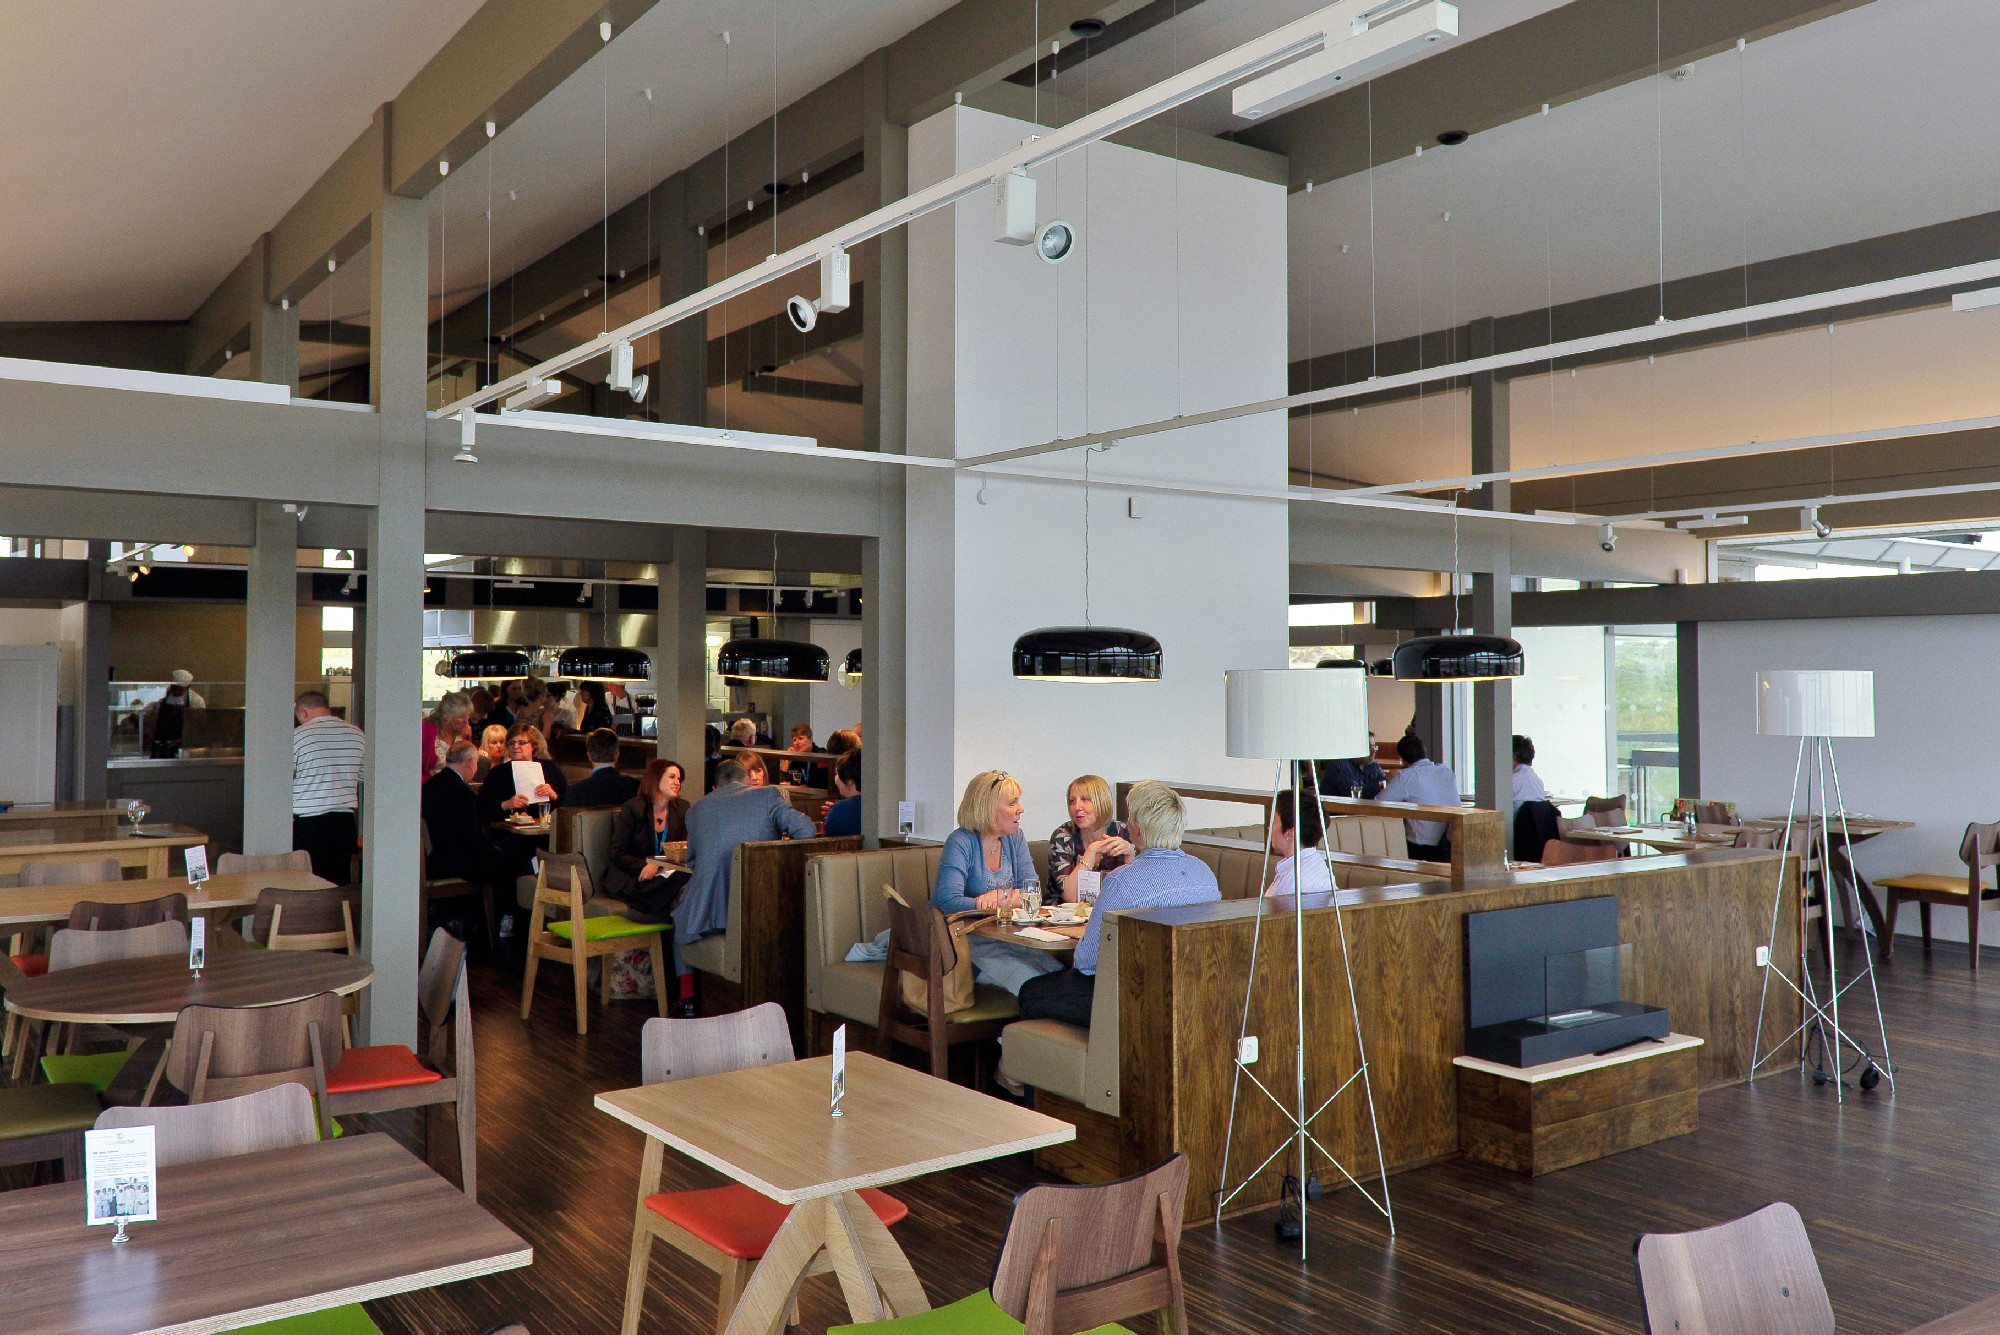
point(32, 965)
point(390, 1066)
point(740, 1223)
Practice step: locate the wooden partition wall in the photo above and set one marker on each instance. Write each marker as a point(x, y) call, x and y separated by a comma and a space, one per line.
point(1695, 920)
point(773, 928)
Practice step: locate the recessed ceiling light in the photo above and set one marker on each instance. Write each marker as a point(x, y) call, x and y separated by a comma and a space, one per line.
point(777, 187)
point(1087, 28)
point(1453, 138)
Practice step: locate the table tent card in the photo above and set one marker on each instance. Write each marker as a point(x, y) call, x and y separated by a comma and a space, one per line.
point(197, 863)
point(197, 942)
point(119, 1180)
point(839, 1067)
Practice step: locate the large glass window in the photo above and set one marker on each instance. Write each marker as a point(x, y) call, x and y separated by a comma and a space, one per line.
point(1646, 686)
point(1561, 704)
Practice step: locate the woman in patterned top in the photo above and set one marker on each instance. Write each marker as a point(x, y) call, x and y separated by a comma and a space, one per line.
point(1088, 841)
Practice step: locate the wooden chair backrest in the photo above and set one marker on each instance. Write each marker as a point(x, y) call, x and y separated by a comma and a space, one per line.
point(90, 916)
point(1759, 838)
point(920, 945)
point(1980, 849)
point(1593, 806)
point(1077, 1257)
point(437, 977)
point(230, 864)
point(1713, 813)
point(269, 1119)
point(559, 872)
point(70, 947)
point(307, 919)
point(240, 1049)
point(1560, 853)
point(684, 1049)
point(71, 873)
point(1756, 1273)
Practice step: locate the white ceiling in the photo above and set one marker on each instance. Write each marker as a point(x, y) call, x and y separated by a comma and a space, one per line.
point(1869, 122)
point(147, 146)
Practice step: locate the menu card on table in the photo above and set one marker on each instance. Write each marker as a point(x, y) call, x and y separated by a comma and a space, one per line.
point(197, 863)
point(839, 1067)
point(527, 778)
point(119, 1184)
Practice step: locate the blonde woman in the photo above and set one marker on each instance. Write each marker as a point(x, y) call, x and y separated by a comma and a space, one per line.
point(1089, 840)
point(492, 749)
point(985, 865)
point(450, 722)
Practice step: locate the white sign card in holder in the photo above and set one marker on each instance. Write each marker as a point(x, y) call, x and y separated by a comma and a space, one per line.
point(120, 1183)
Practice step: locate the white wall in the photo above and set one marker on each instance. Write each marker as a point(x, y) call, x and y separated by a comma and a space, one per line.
point(1935, 756)
point(1174, 301)
point(1562, 704)
point(831, 705)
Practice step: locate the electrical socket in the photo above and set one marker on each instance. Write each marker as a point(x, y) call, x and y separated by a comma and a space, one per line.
point(1763, 957)
point(1246, 1051)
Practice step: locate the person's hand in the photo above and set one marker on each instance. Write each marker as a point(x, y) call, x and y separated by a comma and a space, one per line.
point(995, 900)
point(544, 793)
point(649, 871)
point(514, 803)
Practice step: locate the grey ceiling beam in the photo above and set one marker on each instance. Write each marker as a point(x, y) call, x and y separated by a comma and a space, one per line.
point(1344, 535)
point(1563, 55)
point(138, 345)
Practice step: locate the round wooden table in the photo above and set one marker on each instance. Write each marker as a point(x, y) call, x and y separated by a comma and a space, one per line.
point(156, 989)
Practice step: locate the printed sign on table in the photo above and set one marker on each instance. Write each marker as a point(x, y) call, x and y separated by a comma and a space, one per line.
point(119, 1183)
point(839, 1067)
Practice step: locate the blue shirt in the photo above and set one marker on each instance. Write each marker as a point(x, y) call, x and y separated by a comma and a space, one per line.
point(1159, 878)
point(1429, 784)
point(843, 817)
point(962, 876)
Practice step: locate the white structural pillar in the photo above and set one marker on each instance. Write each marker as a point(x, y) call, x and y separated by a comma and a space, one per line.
point(398, 261)
point(1173, 298)
point(680, 661)
point(270, 648)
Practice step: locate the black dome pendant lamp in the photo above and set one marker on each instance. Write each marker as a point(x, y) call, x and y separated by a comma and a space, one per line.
point(751, 659)
point(1086, 653)
point(604, 662)
point(490, 665)
point(1456, 658)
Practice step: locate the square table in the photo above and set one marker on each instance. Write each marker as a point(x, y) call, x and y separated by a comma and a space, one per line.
point(148, 848)
point(770, 1128)
point(247, 1239)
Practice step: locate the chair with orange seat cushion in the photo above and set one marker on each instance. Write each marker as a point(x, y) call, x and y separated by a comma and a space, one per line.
point(391, 1076)
point(727, 1228)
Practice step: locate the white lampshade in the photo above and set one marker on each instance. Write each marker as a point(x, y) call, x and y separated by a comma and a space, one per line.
point(1295, 714)
point(1821, 703)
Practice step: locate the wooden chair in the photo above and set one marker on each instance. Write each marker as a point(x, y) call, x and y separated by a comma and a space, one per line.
point(1078, 1259)
point(1715, 813)
point(36, 963)
point(729, 1228)
point(556, 941)
point(451, 887)
point(1978, 850)
point(1603, 807)
point(391, 1076)
point(90, 916)
point(230, 864)
point(920, 945)
point(307, 919)
point(218, 1052)
point(1756, 1273)
point(72, 947)
point(1560, 853)
point(45, 1124)
point(268, 1119)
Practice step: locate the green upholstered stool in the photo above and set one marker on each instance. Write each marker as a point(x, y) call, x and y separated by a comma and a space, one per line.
point(974, 1315)
point(96, 1069)
point(42, 1122)
point(605, 929)
point(349, 1320)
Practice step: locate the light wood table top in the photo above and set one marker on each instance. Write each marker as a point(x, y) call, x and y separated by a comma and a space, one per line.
point(150, 851)
point(1071, 932)
point(1857, 827)
point(769, 1127)
point(25, 904)
point(156, 989)
point(1665, 838)
point(1982, 1318)
point(248, 1239)
point(54, 811)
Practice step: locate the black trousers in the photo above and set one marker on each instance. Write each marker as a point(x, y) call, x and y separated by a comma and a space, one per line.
point(331, 840)
point(1431, 852)
point(1065, 996)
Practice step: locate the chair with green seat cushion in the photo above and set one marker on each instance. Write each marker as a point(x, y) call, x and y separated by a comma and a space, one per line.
point(920, 945)
point(43, 1122)
point(96, 1069)
point(1074, 1259)
point(563, 889)
point(268, 1119)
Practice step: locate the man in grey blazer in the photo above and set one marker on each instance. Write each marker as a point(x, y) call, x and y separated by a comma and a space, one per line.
point(733, 814)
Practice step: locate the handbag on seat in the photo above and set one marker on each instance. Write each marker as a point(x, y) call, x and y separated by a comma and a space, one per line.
point(958, 991)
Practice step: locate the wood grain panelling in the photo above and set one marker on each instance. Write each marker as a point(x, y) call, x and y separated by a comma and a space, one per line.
point(774, 927)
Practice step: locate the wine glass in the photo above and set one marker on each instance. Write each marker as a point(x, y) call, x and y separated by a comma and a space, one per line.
point(136, 809)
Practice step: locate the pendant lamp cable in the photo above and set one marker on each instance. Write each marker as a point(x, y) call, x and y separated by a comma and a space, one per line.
point(604, 274)
point(1455, 621)
point(1088, 451)
point(725, 223)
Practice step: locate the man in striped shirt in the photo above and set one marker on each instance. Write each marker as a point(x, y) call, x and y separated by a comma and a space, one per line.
point(327, 755)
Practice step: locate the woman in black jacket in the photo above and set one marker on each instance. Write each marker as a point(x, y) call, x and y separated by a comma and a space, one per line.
point(657, 816)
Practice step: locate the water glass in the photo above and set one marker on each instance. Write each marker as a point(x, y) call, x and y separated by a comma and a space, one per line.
point(1031, 897)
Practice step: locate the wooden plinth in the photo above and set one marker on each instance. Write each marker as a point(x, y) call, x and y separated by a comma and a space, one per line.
point(1096, 1155)
point(1538, 1119)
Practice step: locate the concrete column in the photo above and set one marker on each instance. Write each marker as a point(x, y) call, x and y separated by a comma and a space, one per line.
point(682, 395)
point(93, 700)
point(1492, 590)
point(884, 743)
point(1687, 681)
point(270, 651)
point(399, 284)
point(680, 662)
point(274, 327)
point(884, 273)
point(791, 703)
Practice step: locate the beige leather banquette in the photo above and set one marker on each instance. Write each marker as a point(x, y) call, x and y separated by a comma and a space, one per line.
point(585, 830)
point(1369, 836)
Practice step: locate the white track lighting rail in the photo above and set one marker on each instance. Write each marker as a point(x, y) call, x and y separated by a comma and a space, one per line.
point(1326, 26)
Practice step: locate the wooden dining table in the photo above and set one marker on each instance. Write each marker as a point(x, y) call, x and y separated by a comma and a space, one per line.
point(218, 897)
point(1981, 1318)
point(157, 988)
point(82, 819)
point(1010, 932)
point(248, 1239)
point(771, 1128)
point(1841, 832)
point(149, 849)
point(1663, 838)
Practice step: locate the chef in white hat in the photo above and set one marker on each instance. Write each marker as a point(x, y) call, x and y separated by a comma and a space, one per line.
point(165, 720)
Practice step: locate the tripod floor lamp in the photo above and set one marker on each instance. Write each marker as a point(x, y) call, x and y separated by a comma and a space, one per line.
point(1816, 707)
point(1291, 716)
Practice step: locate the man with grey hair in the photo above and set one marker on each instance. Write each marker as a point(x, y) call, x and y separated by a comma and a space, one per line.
point(1159, 876)
point(459, 847)
point(735, 813)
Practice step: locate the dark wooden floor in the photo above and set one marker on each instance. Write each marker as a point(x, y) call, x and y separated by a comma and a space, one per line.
point(1901, 1197)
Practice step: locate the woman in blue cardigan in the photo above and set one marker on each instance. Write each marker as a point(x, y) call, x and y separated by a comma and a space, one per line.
point(984, 865)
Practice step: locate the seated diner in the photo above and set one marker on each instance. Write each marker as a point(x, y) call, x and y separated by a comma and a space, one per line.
point(1427, 783)
point(843, 814)
point(1295, 827)
point(985, 865)
point(1087, 845)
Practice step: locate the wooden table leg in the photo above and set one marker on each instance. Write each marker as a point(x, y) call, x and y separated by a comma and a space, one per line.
point(891, 1269)
point(767, 1298)
point(157, 865)
point(851, 1261)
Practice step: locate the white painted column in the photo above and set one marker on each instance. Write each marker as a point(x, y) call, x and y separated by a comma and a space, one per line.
point(680, 661)
point(270, 650)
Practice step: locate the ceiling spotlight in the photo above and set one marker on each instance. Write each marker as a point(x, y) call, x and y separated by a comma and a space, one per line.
point(835, 272)
point(604, 31)
point(145, 570)
point(621, 366)
point(1014, 208)
point(640, 383)
point(1087, 28)
point(465, 433)
point(1345, 58)
point(132, 575)
point(492, 129)
point(583, 592)
point(353, 583)
point(1607, 537)
point(1055, 241)
point(344, 554)
point(802, 313)
point(1809, 518)
point(1453, 138)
